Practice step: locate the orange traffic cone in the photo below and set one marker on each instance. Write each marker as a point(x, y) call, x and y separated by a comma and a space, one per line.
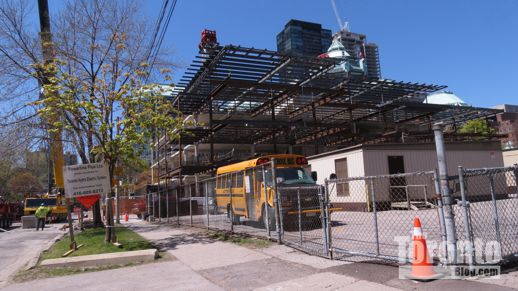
point(126, 217)
point(422, 268)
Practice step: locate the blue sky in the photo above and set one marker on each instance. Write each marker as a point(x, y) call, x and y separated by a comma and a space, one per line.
point(470, 46)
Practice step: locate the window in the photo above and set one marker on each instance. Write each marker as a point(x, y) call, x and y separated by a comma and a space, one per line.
point(239, 180)
point(342, 187)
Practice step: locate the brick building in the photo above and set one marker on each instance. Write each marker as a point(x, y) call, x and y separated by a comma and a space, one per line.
point(508, 124)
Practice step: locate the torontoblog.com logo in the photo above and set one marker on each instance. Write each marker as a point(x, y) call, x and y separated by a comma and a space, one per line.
point(463, 261)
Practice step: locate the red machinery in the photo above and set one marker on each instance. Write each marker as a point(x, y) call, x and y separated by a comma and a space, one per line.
point(8, 213)
point(208, 40)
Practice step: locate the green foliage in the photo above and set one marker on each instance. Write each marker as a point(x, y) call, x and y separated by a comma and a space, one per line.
point(117, 109)
point(477, 126)
point(93, 241)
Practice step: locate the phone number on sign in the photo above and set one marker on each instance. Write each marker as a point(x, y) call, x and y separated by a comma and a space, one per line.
point(86, 192)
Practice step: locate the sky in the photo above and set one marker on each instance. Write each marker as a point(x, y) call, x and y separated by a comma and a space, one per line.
point(469, 45)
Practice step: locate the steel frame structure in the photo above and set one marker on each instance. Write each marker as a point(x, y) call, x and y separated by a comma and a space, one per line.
point(254, 96)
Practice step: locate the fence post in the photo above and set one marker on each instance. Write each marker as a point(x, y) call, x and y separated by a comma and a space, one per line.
point(440, 210)
point(159, 206)
point(207, 201)
point(276, 203)
point(147, 206)
point(495, 209)
point(375, 216)
point(449, 219)
point(230, 211)
point(467, 223)
point(190, 204)
point(167, 201)
point(196, 191)
point(153, 196)
point(117, 205)
point(177, 205)
point(300, 215)
point(326, 227)
point(266, 213)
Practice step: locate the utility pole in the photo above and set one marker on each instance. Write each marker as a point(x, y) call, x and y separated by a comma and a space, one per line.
point(447, 202)
point(45, 76)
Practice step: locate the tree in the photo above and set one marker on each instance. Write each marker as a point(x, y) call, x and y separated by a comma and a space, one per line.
point(103, 51)
point(111, 109)
point(25, 184)
point(477, 126)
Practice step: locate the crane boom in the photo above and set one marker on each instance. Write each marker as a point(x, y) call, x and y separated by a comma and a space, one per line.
point(337, 14)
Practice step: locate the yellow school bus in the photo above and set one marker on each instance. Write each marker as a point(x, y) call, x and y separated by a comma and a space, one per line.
point(244, 182)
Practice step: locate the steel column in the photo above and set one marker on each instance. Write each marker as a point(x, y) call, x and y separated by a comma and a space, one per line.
point(449, 218)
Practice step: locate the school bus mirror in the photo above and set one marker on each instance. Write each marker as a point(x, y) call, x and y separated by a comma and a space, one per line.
point(314, 175)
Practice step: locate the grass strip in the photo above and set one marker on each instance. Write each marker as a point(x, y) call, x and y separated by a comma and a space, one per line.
point(93, 241)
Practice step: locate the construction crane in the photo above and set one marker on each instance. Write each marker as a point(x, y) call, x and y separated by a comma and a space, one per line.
point(54, 198)
point(341, 24)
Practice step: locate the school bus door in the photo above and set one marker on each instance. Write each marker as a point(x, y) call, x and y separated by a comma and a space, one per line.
point(250, 193)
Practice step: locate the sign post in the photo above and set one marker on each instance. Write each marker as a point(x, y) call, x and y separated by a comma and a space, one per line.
point(90, 180)
point(73, 244)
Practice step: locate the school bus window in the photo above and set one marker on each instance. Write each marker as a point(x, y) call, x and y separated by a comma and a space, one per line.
point(259, 176)
point(223, 183)
point(239, 180)
point(232, 180)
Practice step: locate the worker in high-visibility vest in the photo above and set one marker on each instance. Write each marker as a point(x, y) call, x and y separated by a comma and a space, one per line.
point(41, 215)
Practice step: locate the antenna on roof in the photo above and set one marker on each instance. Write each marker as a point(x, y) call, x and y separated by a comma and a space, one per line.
point(342, 25)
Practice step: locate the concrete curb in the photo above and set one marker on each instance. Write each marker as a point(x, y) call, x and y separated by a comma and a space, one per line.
point(34, 261)
point(103, 259)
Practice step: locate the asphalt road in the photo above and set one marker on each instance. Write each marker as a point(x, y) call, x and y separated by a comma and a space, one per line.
point(18, 246)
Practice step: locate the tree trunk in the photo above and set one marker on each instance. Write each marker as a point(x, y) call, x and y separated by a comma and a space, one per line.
point(110, 229)
point(96, 209)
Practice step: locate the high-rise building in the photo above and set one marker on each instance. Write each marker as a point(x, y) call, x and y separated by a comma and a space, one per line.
point(354, 43)
point(301, 38)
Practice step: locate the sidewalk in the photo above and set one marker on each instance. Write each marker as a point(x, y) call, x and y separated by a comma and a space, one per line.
point(279, 267)
point(201, 263)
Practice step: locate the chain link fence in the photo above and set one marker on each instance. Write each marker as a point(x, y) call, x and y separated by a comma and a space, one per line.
point(360, 217)
point(486, 213)
point(373, 216)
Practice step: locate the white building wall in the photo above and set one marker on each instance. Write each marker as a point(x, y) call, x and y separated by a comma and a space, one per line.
point(373, 161)
point(325, 166)
point(376, 163)
point(510, 158)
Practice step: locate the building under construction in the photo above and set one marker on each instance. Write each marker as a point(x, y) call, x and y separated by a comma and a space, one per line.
point(247, 101)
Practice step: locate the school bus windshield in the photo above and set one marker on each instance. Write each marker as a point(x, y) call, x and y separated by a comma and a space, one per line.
point(290, 176)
